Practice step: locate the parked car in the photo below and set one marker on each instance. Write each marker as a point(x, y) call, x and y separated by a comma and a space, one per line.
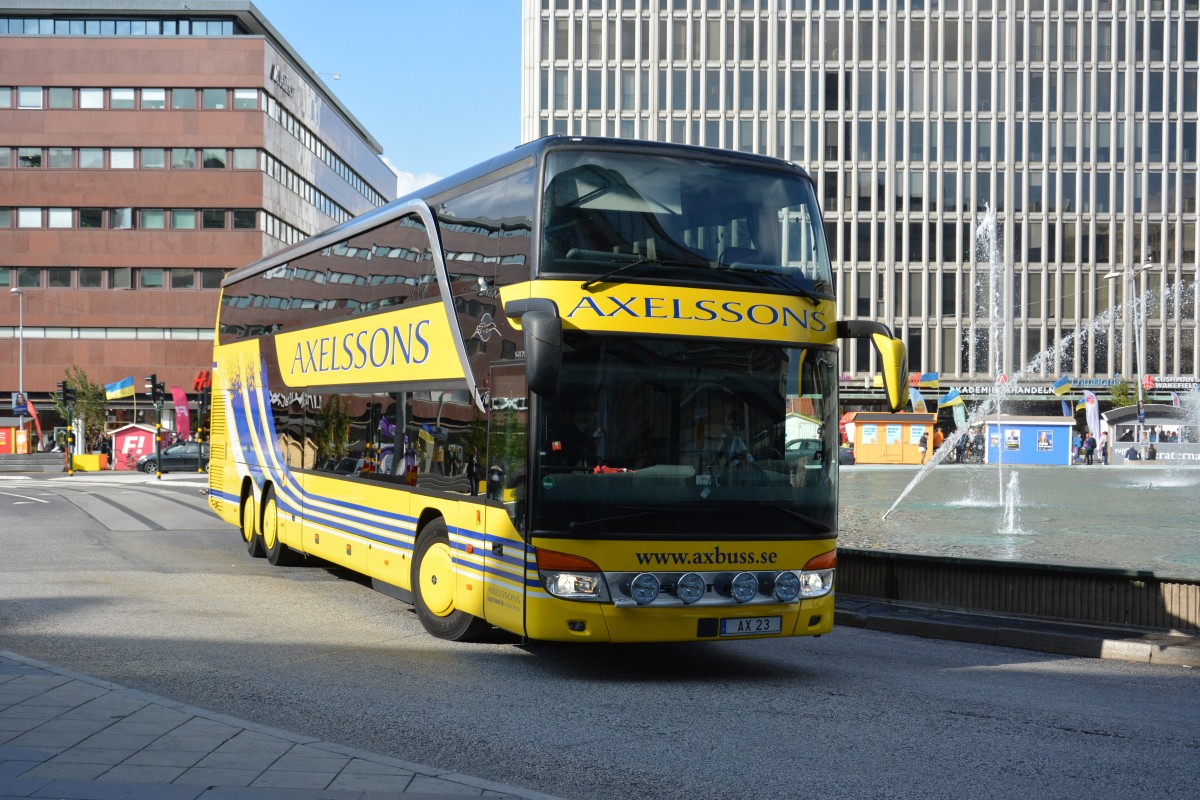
point(182, 457)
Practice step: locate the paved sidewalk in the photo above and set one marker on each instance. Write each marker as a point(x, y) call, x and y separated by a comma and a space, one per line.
point(65, 735)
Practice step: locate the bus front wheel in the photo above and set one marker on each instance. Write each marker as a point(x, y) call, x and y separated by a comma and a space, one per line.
point(250, 535)
point(433, 588)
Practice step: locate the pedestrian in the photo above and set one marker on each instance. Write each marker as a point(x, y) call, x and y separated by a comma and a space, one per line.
point(938, 438)
point(1076, 448)
point(923, 445)
point(1089, 448)
point(1104, 448)
point(960, 448)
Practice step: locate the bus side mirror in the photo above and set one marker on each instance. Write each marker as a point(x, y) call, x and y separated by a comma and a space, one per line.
point(892, 356)
point(894, 363)
point(543, 350)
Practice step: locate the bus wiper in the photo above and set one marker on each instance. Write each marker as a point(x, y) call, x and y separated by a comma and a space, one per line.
point(612, 273)
point(800, 290)
point(741, 505)
point(588, 523)
point(662, 262)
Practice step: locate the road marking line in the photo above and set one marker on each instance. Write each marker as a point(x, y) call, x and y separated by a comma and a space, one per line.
point(23, 497)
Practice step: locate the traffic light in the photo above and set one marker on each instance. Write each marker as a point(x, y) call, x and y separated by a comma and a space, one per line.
point(66, 394)
point(157, 390)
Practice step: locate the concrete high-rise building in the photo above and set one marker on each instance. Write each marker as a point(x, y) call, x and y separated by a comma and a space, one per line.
point(146, 148)
point(1074, 122)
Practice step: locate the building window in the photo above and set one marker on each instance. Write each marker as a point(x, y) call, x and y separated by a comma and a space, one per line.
point(154, 99)
point(214, 99)
point(58, 278)
point(183, 219)
point(5, 97)
point(60, 218)
point(5, 157)
point(154, 219)
point(29, 277)
point(150, 279)
point(91, 158)
point(61, 158)
point(91, 278)
point(61, 97)
point(121, 158)
point(244, 219)
point(245, 158)
point(214, 218)
point(29, 157)
point(211, 278)
point(183, 98)
point(154, 158)
point(120, 278)
point(29, 97)
point(183, 279)
point(183, 158)
point(120, 218)
point(213, 158)
point(91, 218)
point(91, 98)
point(245, 98)
point(120, 98)
point(29, 218)
point(5, 220)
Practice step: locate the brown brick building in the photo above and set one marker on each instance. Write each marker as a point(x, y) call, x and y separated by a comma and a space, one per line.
point(146, 148)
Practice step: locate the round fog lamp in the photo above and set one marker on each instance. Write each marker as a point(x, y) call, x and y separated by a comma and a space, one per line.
point(644, 588)
point(745, 587)
point(787, 587)
point(691, 587)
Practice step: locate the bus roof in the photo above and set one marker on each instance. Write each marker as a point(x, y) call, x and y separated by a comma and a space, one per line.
point(530, 153)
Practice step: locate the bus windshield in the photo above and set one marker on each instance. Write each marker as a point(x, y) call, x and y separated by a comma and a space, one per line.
point(655, 216)
point(687, 439)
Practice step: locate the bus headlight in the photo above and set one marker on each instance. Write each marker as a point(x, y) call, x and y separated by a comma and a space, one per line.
point(744, 587)
point(644, 588)
point(816, 579)
point(690, 588)
point(787, 587)
point(816, 583)
point(571, 577)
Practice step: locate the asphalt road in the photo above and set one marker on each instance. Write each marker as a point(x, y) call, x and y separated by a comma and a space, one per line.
point(138, 584)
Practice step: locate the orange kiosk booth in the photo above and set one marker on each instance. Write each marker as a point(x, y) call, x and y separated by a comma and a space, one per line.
point(882, 438)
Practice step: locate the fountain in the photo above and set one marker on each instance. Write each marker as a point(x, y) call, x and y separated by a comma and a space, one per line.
point(1063, 511)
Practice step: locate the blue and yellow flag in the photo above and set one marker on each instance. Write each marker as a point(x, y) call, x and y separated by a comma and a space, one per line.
point(119, 389)
point(928, 380)
point(952, 398)
point(1062, 385)
point(1081, 404)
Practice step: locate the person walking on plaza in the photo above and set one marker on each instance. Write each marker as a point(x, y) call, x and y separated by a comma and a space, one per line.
point(938, 438)
point(1089, 448)
point(1076, 448)
point(923, 446)
point(1104, 448)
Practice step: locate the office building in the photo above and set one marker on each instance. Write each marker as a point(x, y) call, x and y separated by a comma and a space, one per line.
point(146, 148)
point(1073, 122)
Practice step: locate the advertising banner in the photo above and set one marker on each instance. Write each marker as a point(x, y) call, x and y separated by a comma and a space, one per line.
point(183, 426)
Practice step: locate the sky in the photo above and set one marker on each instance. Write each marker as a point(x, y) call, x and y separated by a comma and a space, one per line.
point(436, 82)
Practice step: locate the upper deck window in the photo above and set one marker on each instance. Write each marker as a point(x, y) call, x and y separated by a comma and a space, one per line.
point(680, 219)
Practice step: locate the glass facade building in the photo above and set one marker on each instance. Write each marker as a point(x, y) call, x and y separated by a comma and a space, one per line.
point(1070, 124)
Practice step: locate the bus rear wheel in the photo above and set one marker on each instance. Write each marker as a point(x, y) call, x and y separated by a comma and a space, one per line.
point(433, 588)
point(250, 535)
point(278, 553)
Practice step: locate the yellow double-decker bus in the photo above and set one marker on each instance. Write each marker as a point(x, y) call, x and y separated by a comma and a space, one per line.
point(585, 391)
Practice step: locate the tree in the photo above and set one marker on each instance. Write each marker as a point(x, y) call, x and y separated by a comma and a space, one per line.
point(91, 404)
point(1121, 393)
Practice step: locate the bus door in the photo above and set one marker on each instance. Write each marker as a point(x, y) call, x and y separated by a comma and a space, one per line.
point(505, 514)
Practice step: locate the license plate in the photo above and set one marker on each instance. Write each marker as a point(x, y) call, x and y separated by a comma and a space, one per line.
point(751, 626)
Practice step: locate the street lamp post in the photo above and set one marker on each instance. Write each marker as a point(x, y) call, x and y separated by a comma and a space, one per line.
point(1130, 275)
point(20, 347)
